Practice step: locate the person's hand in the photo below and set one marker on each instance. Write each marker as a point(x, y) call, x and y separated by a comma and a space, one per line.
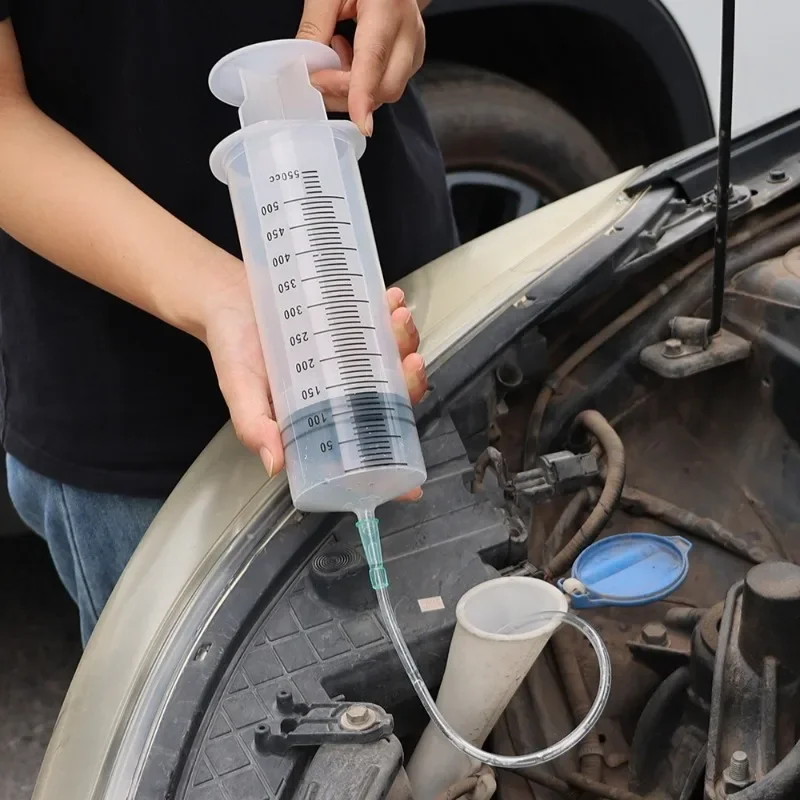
point(232, 338)
point(388, 49)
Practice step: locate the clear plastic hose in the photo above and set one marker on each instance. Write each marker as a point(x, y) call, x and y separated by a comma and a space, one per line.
point(368, 529)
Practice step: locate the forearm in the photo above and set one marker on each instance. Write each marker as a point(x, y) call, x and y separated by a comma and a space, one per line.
point(64, 202)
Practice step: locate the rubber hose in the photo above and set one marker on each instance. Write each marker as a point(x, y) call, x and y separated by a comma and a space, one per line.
point(650, 720)
point(614, 451)
point(644, 504)
point(566, 523)
point(591, 749)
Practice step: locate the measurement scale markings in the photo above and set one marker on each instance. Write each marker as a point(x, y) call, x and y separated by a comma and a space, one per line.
point(338, 303)
point(311, 224)
point(343, 358)
point(343, 320)
point(362, 369)
point(350, 384)
point(321, 216)
point(324, 197)
point(333, 249)
point(341, 289)
point(357, 348)
point(319, 228)
point(362, 327)
point(326, 261)
point(331, 294)
point(383, 464)
point(347, 315)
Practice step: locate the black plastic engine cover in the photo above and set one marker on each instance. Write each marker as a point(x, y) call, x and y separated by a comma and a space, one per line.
point(316, 632)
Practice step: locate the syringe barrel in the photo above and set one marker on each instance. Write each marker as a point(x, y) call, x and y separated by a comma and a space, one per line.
point(319, 297)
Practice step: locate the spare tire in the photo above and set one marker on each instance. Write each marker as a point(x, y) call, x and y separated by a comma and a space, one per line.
point(508, 149)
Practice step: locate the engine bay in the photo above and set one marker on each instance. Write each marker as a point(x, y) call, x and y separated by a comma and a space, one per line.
point(703, 701)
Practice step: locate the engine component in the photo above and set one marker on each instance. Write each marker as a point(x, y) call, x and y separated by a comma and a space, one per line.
point(756, 687)
point(557, 474)
point(726, 721)
point(691, 349)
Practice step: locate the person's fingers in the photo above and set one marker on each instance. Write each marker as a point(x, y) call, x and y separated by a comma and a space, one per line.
point(374, 40)
point(337, 105)
point(405, 332)
point(333, 83)
point(344, 50)
point(396, 298)
point(319, 20)
point(416, 378)
point(413, 496)
point(247, 396)
point(400, 68)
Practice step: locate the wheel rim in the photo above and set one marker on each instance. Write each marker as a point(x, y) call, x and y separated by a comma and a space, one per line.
point(483, 200)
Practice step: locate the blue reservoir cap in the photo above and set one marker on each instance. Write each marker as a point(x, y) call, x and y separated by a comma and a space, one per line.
point(631, 569)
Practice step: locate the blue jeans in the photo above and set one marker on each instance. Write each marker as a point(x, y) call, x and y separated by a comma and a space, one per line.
point(91, 535)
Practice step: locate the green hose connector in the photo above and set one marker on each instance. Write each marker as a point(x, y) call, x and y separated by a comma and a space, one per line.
point(371, 542)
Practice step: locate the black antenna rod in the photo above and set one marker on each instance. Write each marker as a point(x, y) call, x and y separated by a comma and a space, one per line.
point(723, 163)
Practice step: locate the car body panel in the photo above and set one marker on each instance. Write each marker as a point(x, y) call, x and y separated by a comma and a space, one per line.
point(224, 509)
point(647, 23)
point(766, 53)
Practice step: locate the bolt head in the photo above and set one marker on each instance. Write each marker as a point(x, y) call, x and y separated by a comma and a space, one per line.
point(673, 347)
point(777, 175)
point(737, 774)
point(358, 718)
point(655, 633)
point(357, 714)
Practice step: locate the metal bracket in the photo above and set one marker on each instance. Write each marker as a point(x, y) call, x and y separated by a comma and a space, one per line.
point(691, 350)
point(313, 724)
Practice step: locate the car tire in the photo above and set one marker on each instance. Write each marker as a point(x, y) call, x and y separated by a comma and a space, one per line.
point(507, 148)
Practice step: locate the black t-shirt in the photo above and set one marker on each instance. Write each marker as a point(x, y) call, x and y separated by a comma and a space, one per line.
point(95, 392)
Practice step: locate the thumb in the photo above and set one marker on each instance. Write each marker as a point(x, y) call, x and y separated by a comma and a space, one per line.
point(319, 20)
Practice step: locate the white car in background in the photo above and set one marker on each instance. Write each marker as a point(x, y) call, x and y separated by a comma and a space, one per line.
point(534, 99)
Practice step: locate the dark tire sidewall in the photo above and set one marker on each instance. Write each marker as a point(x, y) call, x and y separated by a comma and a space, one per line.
point(486, 122)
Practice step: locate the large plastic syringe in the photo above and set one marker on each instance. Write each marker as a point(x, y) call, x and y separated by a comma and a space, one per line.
point(334, 370)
